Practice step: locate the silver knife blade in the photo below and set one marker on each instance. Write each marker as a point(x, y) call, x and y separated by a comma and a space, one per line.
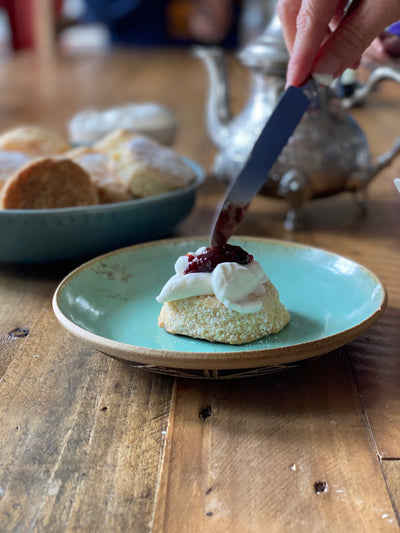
point(273, 138)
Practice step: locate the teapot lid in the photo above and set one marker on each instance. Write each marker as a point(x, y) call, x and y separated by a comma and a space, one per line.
point(268, 52)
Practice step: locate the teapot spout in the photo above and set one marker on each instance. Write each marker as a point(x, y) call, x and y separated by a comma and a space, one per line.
point(218, 113)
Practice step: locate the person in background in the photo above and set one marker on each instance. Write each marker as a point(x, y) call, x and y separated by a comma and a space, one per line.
point(21, 19)
point(167, 22)
point(322, 41)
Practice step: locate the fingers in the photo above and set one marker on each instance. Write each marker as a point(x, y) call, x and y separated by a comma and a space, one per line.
point(339, 14)
point(321, 40)
point(313, 22)
point(287, 11)
point(391, 44)
point(375, 53)
point(352, 37)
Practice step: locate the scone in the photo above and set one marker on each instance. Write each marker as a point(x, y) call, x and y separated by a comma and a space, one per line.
point(109, 187)
point(48, 183)
point(205, 317)
point(226, 298)
point(10, 162)
point(147, 168)
point(147, 118)
point(114, 140)
point(33, 141)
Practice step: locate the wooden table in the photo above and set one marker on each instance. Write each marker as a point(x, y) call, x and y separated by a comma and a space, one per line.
point(91, 444)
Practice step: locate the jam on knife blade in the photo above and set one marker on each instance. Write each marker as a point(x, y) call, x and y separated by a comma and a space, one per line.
point(273, 138)
point(229, 218)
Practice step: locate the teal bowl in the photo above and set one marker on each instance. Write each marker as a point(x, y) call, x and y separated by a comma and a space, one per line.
point(48, 235)
point(110, 303)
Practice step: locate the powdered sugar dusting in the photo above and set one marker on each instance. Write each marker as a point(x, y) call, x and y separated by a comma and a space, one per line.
point(151, 154)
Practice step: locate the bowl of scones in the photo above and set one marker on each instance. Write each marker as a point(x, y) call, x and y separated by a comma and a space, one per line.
point(59, 201)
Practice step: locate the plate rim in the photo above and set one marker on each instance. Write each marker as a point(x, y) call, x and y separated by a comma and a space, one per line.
point(238, 359)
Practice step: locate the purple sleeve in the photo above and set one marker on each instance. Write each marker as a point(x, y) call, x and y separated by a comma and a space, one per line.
point(394, 28)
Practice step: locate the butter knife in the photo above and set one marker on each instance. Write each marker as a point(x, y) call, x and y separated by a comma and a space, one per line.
point(274, 136)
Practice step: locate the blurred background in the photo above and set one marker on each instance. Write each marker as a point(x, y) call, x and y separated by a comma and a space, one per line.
point(21, 21)
point(70, 32)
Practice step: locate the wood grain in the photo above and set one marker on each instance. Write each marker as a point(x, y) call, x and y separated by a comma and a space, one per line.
point(391, 471)
point(82, 437)
point(282, 453)
point(90, 444)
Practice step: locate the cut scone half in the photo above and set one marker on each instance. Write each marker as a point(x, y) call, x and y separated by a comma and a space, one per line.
point(221, 294)
point(109, 186)
point(205, 317)
point(148, 168)
point(10, 162)
point(114, 140)
point(48, 183)
point(34, 141)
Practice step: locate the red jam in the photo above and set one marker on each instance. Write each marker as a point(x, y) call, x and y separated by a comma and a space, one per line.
point(213, 256)
point(229, 218)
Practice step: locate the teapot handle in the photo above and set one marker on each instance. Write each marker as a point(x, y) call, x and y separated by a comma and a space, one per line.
point(385, 159)
point(379, 74)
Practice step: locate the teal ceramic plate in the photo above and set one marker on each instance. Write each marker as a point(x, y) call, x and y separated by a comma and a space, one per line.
point(44, 235)
point(110, 303)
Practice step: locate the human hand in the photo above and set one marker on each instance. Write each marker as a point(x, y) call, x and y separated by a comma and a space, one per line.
point(381, 52)
point(322, 40)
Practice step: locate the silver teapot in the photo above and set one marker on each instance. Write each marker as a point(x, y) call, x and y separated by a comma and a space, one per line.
point(328, 152)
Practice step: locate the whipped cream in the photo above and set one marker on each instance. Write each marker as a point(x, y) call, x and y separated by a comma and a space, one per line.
point(232, 284)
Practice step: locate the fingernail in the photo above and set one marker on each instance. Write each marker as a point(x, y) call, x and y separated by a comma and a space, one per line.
point(328, 65)
point(323, 79)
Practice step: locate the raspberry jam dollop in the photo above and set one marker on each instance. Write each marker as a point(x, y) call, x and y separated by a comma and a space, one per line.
point(214, 255)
